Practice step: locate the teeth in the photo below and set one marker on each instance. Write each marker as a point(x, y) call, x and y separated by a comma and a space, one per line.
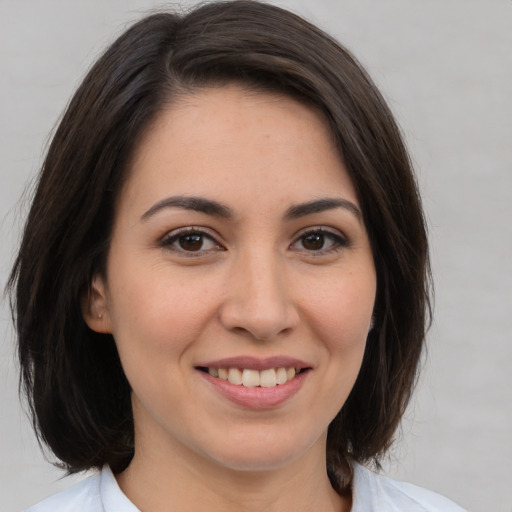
point(235, 376)
point(254, 378)
point(281, 376)
point(268, 378)
point(251, 378)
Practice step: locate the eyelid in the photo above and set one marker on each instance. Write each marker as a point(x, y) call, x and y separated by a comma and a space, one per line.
point(171, 236)
point(341, 240)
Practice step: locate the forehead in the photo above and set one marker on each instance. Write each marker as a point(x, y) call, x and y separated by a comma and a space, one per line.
point(230, 140)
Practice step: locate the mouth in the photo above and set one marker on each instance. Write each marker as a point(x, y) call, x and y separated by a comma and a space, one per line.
point(253, 378)
point(256, 383)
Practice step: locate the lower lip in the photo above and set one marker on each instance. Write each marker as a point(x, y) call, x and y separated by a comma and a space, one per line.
point(257, 397)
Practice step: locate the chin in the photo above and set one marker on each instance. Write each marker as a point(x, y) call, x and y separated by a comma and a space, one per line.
point(257, 463)
point(266, 454)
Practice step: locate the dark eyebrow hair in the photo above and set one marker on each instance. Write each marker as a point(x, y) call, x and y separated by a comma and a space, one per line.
point(211, 207)
point(321, 205)
point(198, 204)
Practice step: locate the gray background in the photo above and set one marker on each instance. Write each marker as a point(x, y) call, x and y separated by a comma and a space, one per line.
point(445, 67)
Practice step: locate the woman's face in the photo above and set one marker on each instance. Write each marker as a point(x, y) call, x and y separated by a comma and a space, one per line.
point(238, 251)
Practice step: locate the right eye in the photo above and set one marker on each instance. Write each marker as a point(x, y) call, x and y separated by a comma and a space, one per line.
point(320, 241)
point(190, 241)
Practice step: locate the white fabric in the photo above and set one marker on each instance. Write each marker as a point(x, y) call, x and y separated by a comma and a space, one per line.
point(371, 493)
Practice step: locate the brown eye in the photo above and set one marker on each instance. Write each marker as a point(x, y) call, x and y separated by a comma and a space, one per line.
point(320, 241)
point(191, 242)
point(313, 241)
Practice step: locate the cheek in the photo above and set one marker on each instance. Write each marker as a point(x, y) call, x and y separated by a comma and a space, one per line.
point(341, 318)
point(344, 308)
point(153, 311)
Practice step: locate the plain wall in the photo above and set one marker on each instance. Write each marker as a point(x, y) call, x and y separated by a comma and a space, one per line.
point(445, 67)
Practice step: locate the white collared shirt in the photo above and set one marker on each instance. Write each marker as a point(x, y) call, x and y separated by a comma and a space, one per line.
point(370, 493)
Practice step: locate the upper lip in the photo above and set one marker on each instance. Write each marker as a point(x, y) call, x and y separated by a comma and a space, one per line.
point(255, 363)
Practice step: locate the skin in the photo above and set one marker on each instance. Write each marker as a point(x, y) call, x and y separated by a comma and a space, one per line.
point(257, 286)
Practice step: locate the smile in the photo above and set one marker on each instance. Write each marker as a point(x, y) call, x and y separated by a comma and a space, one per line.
point(252, 378)
point(256, 383)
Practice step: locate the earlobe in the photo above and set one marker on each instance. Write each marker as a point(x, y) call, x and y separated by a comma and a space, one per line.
point(95, 306)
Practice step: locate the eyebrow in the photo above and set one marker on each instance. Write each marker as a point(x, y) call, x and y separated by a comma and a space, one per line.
point(216, 209)
point(197, 204)
point(322, 205)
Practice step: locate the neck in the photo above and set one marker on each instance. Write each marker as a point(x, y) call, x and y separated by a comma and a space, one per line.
point(190, 482)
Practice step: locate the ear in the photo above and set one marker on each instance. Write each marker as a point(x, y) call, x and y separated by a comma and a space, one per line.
point(95, 306)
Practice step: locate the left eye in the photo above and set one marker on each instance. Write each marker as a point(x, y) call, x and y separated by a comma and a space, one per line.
point(190, 241)
point(319, 240)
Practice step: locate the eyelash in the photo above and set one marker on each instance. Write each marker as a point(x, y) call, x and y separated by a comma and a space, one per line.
point(338, 241)
point(174, 236)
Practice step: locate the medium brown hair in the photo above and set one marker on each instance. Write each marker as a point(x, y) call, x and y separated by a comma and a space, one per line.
point(72, 376)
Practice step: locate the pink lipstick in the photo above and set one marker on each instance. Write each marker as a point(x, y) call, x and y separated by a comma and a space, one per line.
point(253, 382)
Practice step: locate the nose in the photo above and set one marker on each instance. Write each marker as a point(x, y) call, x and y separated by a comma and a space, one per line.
point(258, 300)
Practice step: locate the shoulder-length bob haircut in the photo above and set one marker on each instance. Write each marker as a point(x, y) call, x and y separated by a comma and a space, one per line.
point(78, 394)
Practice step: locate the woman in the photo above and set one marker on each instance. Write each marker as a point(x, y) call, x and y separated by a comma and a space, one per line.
point(221, 293)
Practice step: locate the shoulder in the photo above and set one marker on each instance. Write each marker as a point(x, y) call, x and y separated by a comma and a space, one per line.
point(372, 492)
point(97, 493)
point(82, 496)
